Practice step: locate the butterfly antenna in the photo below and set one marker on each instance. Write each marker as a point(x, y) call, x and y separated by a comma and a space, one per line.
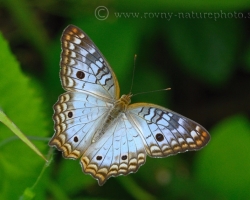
point(152, 91)
point(132, 82)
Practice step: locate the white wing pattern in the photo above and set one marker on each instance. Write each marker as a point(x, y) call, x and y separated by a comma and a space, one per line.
point(83, 67)
point(110, 136)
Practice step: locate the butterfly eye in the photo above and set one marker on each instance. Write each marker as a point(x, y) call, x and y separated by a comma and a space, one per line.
point(70, 114)
point(75, 139)
point(124, 157)
point(159, 137)
point(98, 157)
point(80, 75)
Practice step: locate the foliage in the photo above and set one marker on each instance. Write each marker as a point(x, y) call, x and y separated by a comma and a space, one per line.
point(204, 60)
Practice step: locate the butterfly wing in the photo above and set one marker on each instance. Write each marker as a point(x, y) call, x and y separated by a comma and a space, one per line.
point(165, 132)
point(92, 87)
point(119, 151)
point(143, 128)
point(76, 116)
point(84, 68)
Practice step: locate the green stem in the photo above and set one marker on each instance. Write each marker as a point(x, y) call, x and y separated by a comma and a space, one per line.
point(5, 120)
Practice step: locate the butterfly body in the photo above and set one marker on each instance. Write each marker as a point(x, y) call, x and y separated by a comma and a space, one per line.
point(115, 112)
point(111, 136)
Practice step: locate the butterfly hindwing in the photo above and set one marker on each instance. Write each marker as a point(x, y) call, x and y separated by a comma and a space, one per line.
point(165, 132)
point(83, 67)
point(77, 116)
point(120, 151)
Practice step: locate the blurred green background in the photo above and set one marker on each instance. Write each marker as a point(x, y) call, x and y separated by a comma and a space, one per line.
point(199, 49)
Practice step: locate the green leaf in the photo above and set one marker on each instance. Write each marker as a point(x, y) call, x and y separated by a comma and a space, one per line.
point(223, 168)
point(21, 102)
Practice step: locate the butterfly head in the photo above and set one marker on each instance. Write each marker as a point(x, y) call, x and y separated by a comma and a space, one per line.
point(126, 98)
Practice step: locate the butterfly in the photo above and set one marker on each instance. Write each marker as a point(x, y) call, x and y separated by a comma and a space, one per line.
point(111, 136)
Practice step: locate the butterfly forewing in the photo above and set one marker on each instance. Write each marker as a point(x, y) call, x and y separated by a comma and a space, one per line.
point(83, 68)
point(111, 137)
point(165, 132)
